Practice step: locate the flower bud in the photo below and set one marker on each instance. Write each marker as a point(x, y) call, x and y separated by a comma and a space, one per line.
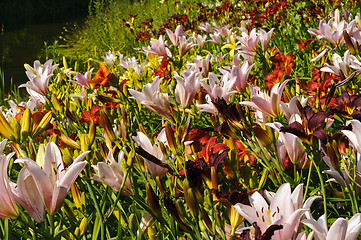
point(15, 125)
point(67, 140)
point(105, 123)
point(55, 102)
point(133, 223)
point(43, 124)
point(170, 138)
point(84, 142)
point(26, 125)
point(83, 225)
point(5, 128)
point(153, 201)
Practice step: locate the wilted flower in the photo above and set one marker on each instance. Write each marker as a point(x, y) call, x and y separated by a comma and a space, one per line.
point(341, 229)
point(285, 209)
point(111, 173)
point(8, 208)
point(50, 177)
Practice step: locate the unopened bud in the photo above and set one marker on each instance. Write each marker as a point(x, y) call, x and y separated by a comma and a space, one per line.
point(105, 123)
point(337, 17)
point(91, 133)
point(43, 124)
point(170, 138)
point(84, 142)
point(15, 125)
point(55, 102)
point(26, 125)
point(153, 201)
point(83, 225)
point(5, 128)
point(133, 223)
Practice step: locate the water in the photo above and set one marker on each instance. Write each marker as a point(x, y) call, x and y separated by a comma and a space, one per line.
point(25, 46)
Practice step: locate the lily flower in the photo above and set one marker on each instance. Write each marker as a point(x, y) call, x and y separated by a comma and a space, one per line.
point(200, 40)
point(50, 177)
point(241, 74)
point(27, 194)
point(219, 88)
point(8, 208)
point(111, 173)
point(355, 135)
point(201, 64)
point(331, 31)
point(109, 58)
point(340, 67)
point(39, 76)
point(285, 209)
point(152, 98)
point(249, 41)
point(143, 141)
point(267, 104)
point(341, 229)
point(265, 38)
point(185, 45)
point(158, 47)
point(83, 80)
point(174, 36)
point(187, 87)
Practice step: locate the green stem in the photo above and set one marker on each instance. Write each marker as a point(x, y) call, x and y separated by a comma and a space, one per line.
point(90, 188)
point(308, 182)
point(323, 192)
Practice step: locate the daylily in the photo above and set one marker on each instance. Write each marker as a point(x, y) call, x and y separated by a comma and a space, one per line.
point(219, 88)
point(83, 80)
point(241, 74)
point(285, 209)
point(143, 141)
point(340, 67)
point(341, 229)
point(50, 177)
point(111, 173)
point(267, 104)
point(8, 208)
point(187, 87)
point(152, 98)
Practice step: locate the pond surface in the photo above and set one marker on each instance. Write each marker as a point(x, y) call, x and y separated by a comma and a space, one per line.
point(26, 45)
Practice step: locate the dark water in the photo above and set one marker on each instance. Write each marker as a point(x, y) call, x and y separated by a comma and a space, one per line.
point(25, 46)
point(24, 27)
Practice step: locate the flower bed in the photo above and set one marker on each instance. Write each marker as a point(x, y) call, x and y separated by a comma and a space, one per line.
point(229, 123)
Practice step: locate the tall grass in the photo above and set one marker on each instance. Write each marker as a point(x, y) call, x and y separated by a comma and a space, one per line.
point(106, 27)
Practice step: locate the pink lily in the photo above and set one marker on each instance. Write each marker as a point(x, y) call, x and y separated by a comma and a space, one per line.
point(341, 229)
point(201, 64)
point(355, 135)
point(109, 58)
point(249, 41)
point(152, 98)
point(185, 45)
point(174, 36)
point(158, 47)
point(340, 67)
point(285, 209)
point(51, 179)
point(331, 31)
point(28, 196)
point(187, 87)
point(143, 141)
point(83, 80)
point(267, 104)
point(39, 76)
point(8, 208)
point(241, 74)
point(265, 38)
point(111, 173)
point(219, 88)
